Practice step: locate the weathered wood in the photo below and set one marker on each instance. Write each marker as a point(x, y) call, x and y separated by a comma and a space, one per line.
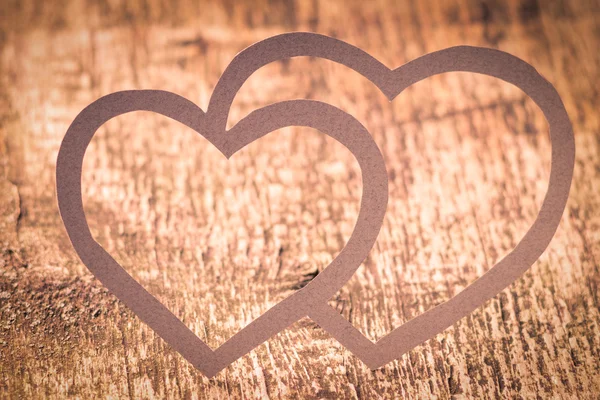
point(219, 241)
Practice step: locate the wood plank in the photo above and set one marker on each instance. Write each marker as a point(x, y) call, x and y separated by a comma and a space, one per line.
point(219, 241)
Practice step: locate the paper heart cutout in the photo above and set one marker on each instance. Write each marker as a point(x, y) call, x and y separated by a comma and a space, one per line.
point(321, 116)
point(312, 300)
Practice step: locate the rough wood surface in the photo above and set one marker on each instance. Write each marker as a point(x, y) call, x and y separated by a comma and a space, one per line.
point(219, 241)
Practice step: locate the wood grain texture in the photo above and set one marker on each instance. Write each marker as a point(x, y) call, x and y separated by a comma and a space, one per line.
point(219, 241)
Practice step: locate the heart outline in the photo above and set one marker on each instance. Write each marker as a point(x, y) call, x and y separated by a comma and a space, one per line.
point(334, 122)
point(490, 62)
point(484, 61)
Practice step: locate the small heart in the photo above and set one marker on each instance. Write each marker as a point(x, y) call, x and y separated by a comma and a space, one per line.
point(320, 116)
point(312, 299)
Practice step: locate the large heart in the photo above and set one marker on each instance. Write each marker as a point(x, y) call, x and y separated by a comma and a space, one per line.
point(484, 61)
point(312, 300)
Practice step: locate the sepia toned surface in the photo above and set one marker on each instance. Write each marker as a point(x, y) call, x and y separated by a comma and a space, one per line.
point(219, 242)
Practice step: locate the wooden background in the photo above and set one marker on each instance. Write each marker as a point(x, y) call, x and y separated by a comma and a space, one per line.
point(219, 241)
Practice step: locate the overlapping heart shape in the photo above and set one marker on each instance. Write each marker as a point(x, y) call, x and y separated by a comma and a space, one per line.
point(311, 300)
